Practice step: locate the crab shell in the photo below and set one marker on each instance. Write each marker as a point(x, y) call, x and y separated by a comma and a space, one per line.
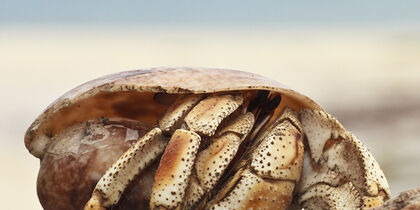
point(127, 95)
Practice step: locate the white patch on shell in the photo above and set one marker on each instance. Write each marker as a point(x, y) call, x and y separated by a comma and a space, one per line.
point(131, 134)
point(323, 196)
point(173, 174)
point(280, 154)
point(209, 113)
point(178, 110)
point(70, 139)
point(39, 146)
point(133, 161)
point(254, 192)
point(319, 127)
point(212, 162)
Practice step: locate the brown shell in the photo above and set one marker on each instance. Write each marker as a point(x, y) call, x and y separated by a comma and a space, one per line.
point(117, 95)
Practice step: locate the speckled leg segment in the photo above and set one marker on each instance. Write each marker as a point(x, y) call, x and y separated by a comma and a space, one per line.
point(113, 183)
point(274, 171)
point(180, 183)
point(212, 162)
point(254, 192)
point(174, 170)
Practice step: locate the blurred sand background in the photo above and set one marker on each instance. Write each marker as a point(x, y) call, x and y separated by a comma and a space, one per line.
point(367, 74)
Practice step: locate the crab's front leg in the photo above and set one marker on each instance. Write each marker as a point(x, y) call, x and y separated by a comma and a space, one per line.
point(116, 179)
point(181, 178)
point(268, 174)
point(185, 120)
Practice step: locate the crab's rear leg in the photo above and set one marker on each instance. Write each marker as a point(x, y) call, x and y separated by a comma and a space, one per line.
point(339, 172)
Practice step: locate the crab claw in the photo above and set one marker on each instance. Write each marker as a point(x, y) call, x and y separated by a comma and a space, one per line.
point(338, 163)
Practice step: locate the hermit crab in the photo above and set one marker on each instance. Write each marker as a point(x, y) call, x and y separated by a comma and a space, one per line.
point(196, 138)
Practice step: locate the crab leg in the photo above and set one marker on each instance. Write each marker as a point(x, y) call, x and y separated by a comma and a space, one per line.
point(177, 111)
point(275, 169)
point(252, 192)
point(174, 170)
point(208, 114)
point(113, 183)
point(213, 161)
point(173, 175)
point(339, 165)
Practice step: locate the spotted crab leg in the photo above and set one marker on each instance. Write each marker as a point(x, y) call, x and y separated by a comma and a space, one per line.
point(173, 174)
point(116, 179)
point(212, 162)
point(174, 170)
point(273, 169)
point(339, 172)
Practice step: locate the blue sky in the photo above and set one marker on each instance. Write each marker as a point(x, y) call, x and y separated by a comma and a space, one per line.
point(215, 12)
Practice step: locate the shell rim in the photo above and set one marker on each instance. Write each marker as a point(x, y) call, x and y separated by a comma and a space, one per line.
point(115, 83)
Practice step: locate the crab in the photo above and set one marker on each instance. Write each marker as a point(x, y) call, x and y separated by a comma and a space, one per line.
point(196, 138)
